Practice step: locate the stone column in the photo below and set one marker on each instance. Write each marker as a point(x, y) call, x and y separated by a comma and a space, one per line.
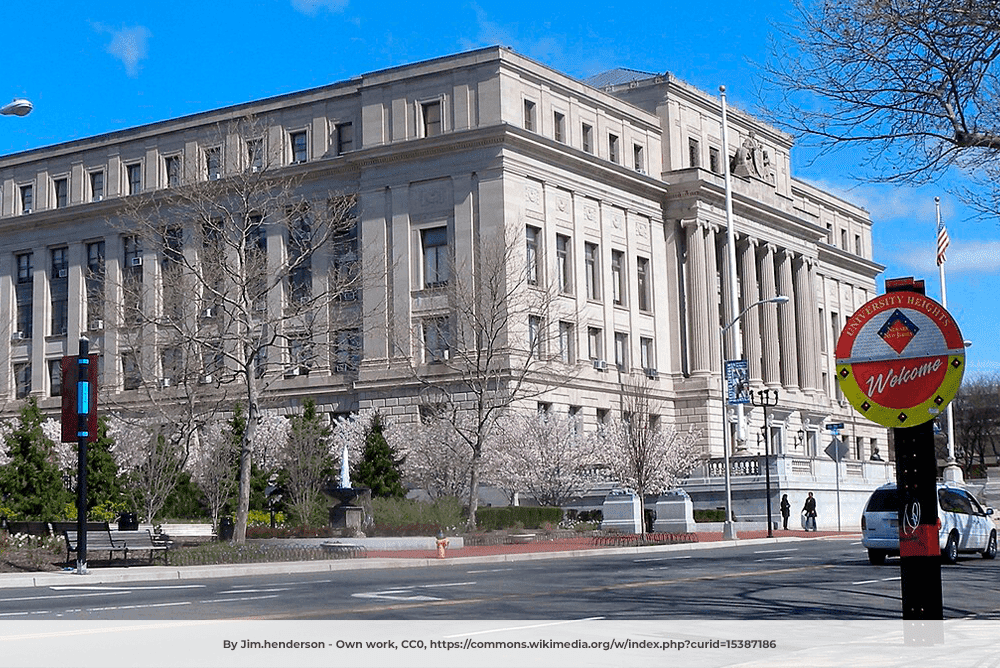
point(770, 365)
point(751, 322)
point(789, 341)
point(804, 306)
point(714, 293)
point(700, 354)
point(724, 306)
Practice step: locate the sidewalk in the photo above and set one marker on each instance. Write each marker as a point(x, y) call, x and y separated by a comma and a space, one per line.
point(554, 549)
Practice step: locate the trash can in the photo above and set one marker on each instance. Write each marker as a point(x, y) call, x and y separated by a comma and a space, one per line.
point(226, 528)
point(128, 522)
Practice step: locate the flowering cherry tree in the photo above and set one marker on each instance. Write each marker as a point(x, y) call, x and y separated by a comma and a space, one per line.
point(546, 456)
point(437, 458)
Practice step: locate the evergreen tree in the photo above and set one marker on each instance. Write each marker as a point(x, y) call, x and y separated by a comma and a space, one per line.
point(307, 464)
point(105, 486)
point(31, 484)
point(379, 468)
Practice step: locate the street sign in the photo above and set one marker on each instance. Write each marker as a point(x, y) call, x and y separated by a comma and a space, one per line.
point(737, 382)
point(900, 359)
point(837, 449)
point(835, 426)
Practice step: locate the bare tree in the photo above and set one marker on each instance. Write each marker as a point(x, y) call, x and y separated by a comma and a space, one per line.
point(239, 295)
point(641, 451)
point(913, 81)
point(547, 456)
point(488, 347)
point(214, 466)
point(152, 461)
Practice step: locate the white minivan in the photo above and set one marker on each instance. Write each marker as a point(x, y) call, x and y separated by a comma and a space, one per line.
point(964, 525)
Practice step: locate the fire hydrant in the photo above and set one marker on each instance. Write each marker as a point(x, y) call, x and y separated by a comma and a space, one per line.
point(442, 543)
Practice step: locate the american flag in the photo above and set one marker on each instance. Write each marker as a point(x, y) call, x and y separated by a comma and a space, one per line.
point(942, 242)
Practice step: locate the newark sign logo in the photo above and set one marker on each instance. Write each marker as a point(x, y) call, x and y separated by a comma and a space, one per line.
point(900, 359)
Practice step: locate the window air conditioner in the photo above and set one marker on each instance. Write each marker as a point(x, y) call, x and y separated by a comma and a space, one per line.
point(652, 374)
point(293, 372)
point(63, 273)
point(18, 336)
point(206, 379)
point(208, 313)
point(600, 365)
point(166, 382)
point(27, 210)
point(97, 326)
point(136, 262)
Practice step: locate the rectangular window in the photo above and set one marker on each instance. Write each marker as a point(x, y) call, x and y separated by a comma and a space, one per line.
point(595, 343)
point(172, 170)
point(55, 378)
point(25, 319)
point(535, 337)
point(642, 284)
point(843, 239)
point(96, 186)
point(213, 162)
point(857, 244)
point(60, 316)
point(346, 350)
point(822, 333)
point(299, 146)
point(434, 243)
point(431, 112)
point(558, 127)
point(621, 351)
point(61, 188)
point(27, 199)
point(255, 154)
point(173, 247)
point(133, 178)
point(564, 264)
point(694, 153)
point(300, 257)
point(531, 254)
point(95, 285)
point(25, 270)
point(436, 346)
point(619, 296)
point(713, 160)
point(300, 351)
point(95, 258)
point(529, 115)
point(22, 379)
point(60, 264)
point(593, 268)
point(131, 375)
point(345, 138)
point(566, 340)
point(588, 138)
point(638, 158)
point(646, 355)
point(613, 148)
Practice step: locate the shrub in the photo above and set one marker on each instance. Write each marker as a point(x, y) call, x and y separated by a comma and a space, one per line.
point(529, 517)
point(709, 515)
point(392, 515)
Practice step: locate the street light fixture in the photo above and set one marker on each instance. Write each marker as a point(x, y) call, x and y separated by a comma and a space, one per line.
point(765, 400)
point(728, 531)
point(18, 107)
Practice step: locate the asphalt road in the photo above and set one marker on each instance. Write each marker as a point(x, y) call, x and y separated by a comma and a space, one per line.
point(809, 579)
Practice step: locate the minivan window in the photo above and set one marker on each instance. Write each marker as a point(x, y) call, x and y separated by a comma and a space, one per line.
point(883, 501)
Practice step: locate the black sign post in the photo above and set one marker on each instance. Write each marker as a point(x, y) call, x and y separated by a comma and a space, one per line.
point(79, 423)
point(916, 482)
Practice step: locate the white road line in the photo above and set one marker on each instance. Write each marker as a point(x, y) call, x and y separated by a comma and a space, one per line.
point(449, 584)
point(868, 582)
point(523, 628)
point(395, 595)
point(490, 570)
point(790, 549)
point(242, 598)
point(52, 597)
point(773, 559)
point(138, 606)
point(639, 561)
point(148, 587)
point(251, 591)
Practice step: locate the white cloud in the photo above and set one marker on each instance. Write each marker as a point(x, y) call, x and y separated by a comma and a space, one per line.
point(129, 45)
point(313, 7)
point(966, 257)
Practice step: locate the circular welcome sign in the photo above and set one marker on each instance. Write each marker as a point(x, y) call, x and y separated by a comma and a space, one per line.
point(900, 359)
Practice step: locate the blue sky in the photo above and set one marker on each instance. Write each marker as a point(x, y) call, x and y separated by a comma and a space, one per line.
point(97, 67)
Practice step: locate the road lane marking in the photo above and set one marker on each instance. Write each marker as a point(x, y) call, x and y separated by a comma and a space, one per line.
point(773, 559)
point(867, 582)
point(252, 591)
point(639, 561)
point(241, 598)
point(395, 595)
point(123, 588)
point(790, 549)
point(522, 628)
point(449, 584)
point(55, 596)
point(490, 570)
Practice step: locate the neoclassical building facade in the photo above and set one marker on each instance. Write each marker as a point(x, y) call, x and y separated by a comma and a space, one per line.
point(614, 188)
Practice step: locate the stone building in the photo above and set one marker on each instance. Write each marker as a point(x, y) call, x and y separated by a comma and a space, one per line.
point(614, 189)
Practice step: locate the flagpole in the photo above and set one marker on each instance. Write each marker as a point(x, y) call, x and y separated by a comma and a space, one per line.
point(952, 471)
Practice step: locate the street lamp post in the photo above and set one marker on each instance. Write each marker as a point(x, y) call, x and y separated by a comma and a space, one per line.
point(765, 401)
point(728, 531)
point(17, 107)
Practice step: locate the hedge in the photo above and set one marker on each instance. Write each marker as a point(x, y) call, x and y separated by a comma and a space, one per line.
point(528, 517)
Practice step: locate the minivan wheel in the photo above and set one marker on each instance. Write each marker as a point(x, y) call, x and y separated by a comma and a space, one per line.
point(991, 546)
point(950, 552)
point(876, 557)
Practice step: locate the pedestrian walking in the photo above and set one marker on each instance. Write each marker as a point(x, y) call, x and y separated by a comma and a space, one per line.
point(786, 510)
point(809, 510)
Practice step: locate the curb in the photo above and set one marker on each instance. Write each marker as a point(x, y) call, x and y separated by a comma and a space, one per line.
point(174, 573)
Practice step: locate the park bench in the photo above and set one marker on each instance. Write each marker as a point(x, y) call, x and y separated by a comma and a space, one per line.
point(29, 528)
point(112, 541)
point(185, 533)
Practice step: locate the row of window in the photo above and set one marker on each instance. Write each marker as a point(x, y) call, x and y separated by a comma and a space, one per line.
point(586, 137)
point(592, 272)
point(171, 169)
